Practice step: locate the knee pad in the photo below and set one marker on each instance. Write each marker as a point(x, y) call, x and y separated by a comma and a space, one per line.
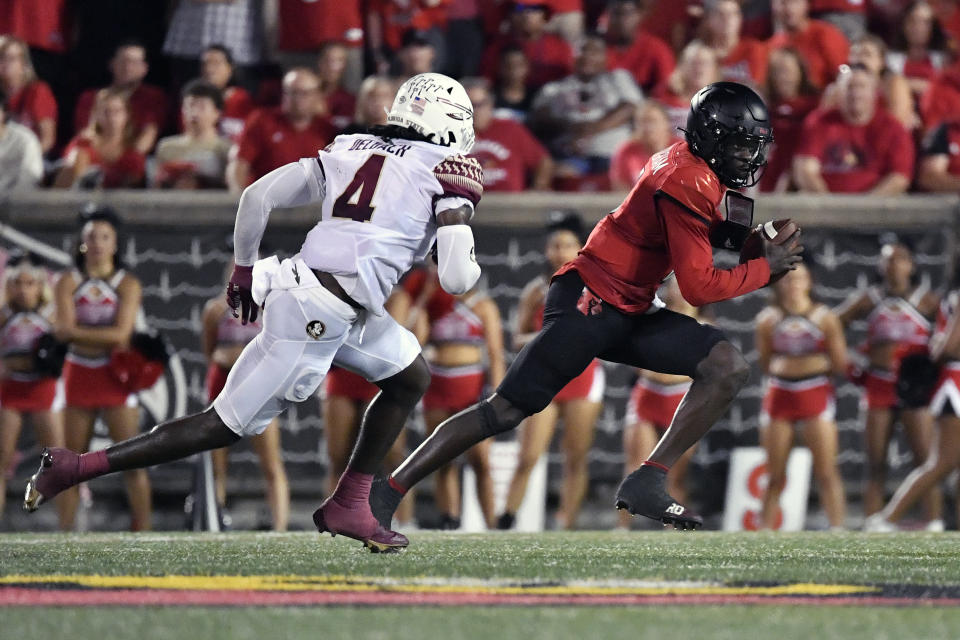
point(304, 385)
point(491, 422)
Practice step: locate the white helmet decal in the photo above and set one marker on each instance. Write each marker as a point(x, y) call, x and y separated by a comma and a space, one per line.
point(437, 107)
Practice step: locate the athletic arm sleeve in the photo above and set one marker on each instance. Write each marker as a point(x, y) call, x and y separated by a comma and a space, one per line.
point(689, 244)
point(292, 185)
point(456, 258)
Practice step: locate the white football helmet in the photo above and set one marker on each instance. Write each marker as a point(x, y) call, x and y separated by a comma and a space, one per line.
point(436, 106)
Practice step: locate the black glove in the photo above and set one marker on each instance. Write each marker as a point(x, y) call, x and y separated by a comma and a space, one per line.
point(916, 380)
point(152, 345)
point(49, 356)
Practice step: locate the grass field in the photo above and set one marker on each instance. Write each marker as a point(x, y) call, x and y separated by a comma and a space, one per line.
point(645, 575)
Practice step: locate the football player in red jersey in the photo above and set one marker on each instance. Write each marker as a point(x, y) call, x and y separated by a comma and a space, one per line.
point(603, 305)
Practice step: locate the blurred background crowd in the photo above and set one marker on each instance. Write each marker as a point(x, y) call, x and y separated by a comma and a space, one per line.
point(570, 95)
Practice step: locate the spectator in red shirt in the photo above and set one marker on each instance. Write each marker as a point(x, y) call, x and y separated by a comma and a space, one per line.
point(790, 98)
point(823, 47)
point(919, 47)
point(742, 60)
point(30, 102)
point(148, 104)
point(651, 133)
point(673, 20)
point(857, 147)
point(870, 52)
point(550, 56)
point(698, 67)
point(373, 100)
point(389, 20)
point(512, 96)
point(331, 65)
point(216, 67)
point(512, 159)
point(104, 154)
point(939, 168)
point(941, 102)
point(273, 137)
point(648, 58)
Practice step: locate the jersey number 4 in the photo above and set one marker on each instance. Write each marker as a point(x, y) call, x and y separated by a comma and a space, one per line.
point(354, 202)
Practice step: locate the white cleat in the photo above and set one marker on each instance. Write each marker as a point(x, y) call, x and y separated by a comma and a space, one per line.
point(936, 526)
point(878, 524)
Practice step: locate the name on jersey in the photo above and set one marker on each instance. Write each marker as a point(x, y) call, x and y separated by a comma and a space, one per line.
point(380, 145)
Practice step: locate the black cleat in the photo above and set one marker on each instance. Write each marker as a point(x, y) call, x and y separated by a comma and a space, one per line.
point(506, 521)
point(384, 501)
point(643, 493)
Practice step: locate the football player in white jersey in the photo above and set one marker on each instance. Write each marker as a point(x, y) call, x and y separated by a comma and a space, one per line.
point(385, 197)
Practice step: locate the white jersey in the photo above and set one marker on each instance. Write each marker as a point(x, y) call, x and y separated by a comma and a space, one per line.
point(377, 213)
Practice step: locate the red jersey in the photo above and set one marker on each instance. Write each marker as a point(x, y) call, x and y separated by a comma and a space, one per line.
point(648, 59)
point(837, 6)
point(564, 6)
point(399, 16)
point(663, 226)
point(128, 170)
point(304, 25)
point(148, 105)
point(746, 63)
point(269, 141)
point(787, 118)
point(823, 47)
point(550, 58)
point(341, 105)
point(32, 105)
point(671, 20)
point(508, 153)
point(43, 24)
point(854, 158)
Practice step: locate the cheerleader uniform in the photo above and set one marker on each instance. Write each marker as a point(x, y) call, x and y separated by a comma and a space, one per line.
point(893, 319)
point(88, 381)
point(804, 398)
point(23, 390)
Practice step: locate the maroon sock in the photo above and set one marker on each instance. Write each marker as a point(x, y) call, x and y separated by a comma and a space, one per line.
point(656, 465)
point(353, 490)
point(92, 464)
point(399, 488)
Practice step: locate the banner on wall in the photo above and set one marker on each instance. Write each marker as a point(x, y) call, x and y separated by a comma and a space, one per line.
point(747, 482)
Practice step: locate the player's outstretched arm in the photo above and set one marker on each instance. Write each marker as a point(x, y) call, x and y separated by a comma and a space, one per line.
point(456, 256)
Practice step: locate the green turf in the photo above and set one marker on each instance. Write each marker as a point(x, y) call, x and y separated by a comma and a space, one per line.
point(917, 558)
point(554, 623)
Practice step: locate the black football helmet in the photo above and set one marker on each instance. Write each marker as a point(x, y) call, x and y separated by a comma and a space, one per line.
point(729, 127)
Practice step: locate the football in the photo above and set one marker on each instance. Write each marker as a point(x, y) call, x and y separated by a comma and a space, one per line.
point(776, 231)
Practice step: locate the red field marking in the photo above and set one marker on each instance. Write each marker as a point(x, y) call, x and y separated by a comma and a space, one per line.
point(27, 597)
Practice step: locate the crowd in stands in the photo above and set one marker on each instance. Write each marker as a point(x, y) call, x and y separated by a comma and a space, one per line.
point(570, 95)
